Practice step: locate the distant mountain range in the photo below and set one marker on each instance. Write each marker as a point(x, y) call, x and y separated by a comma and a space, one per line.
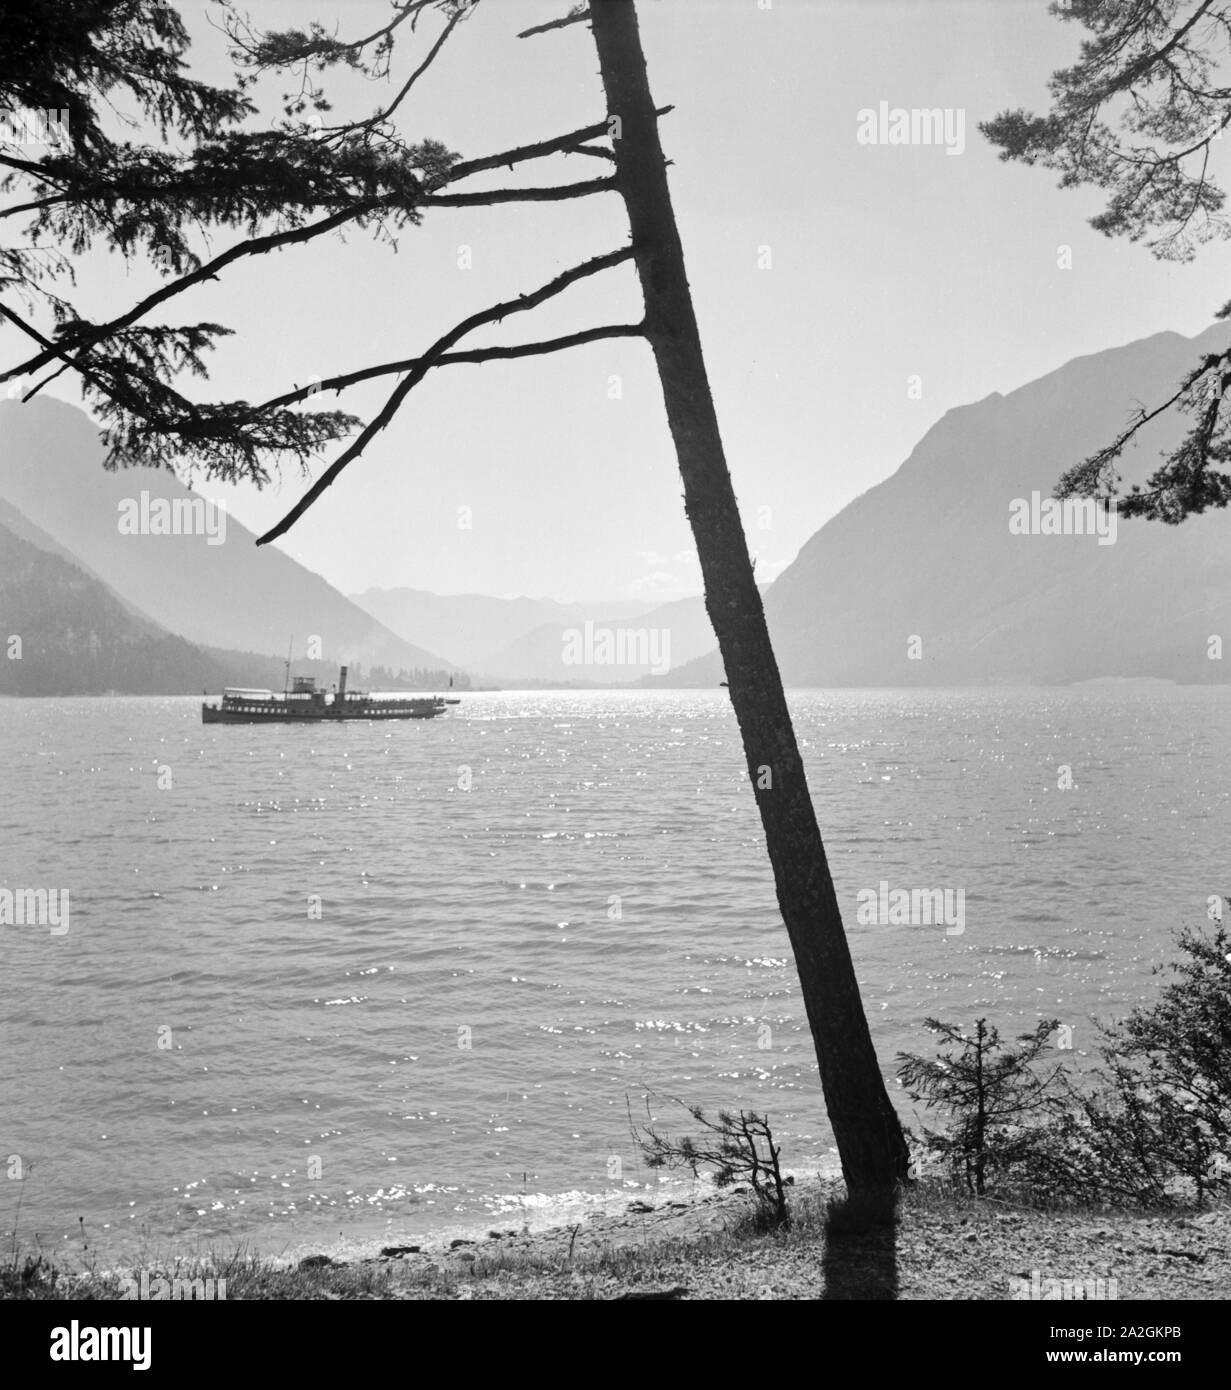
point(63, 631)
point(525, 639)
point(920, 581)
point(227, 594)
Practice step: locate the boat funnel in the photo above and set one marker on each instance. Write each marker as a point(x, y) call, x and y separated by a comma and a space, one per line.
point(342, 684)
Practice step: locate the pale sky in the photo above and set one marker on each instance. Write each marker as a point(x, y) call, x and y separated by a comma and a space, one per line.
point(887, 262)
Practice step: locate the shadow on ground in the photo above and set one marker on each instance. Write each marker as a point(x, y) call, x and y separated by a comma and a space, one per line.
point(860, 1259)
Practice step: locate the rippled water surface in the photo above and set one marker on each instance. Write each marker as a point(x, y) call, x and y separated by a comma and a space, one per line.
point(312, 985)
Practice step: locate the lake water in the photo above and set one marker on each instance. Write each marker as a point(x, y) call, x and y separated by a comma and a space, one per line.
point(295, 950)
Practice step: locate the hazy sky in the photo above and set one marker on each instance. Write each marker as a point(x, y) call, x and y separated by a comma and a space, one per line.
point(887, 262)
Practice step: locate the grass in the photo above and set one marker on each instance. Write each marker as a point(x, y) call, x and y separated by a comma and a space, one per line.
point(941, 1243)
point(250, 1276)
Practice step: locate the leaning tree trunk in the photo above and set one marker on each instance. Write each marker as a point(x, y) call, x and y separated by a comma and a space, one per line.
point(869, 1136)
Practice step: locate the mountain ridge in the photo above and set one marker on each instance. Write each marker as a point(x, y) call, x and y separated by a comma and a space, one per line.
point(231, 595)
point(927, 554)
point(918, 580)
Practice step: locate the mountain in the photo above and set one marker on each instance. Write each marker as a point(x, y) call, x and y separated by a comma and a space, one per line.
point(64, 633)
point(527, 639)
point(928, 553)
point(468, 629)
point(18, 524)
point(216, 589)
point(79, 637)
point(649, 643)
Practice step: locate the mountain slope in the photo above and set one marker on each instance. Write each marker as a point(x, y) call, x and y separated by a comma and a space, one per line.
point(227, 595)
point(467, 628)
point(20, 525)
point(667, 636)
point(78, 638)
point(928, 553)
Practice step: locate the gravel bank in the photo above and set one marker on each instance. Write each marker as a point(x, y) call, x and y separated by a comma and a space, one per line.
point(941, 1248)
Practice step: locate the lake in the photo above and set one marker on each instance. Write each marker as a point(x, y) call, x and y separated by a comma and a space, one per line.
point(368, 980)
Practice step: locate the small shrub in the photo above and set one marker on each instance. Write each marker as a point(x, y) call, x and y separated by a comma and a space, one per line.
point(1151, 1127)
point(1102, 1147)
point(1156, 1127)
point(1177, 1051)
point(737, 1147)
point(997, 1103)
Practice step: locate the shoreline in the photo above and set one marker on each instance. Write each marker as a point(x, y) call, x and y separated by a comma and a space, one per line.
point(631, 1219)
point(941, 1246)
point(533, 1215)
point(664, 1210)
point(544, 1216)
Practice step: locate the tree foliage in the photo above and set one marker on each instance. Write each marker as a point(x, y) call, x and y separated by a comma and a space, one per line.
point(199, 166)
point(1150, 1126)
point(1139, 116)
point(1168, 1069)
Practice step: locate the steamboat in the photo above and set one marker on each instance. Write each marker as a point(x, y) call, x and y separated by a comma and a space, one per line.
point(304, 703)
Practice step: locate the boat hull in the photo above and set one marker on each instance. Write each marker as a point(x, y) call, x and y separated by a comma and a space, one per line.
point(215, 714)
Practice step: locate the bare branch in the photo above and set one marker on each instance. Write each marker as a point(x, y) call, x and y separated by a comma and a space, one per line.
point(28, 166)
point(1092, 472)
point(559, 144)
point(519, 195)
point(424, 365)
point(471, 355)
point(254, 247)
point(262, 245)
point(64, 366)
point(54, 352)
point(580, 14)
point(36, 205)
point(384, 115)
point(594, 150)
